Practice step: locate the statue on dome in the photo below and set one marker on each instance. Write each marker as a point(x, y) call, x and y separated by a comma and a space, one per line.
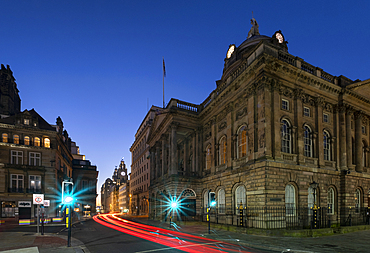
point(254, 30)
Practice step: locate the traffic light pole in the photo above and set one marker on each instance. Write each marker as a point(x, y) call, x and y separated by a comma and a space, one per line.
point(69, 226)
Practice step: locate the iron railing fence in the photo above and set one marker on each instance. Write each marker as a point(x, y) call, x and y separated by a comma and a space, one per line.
point(287, 218)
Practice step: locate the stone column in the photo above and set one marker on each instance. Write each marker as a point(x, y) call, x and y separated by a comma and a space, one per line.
point(173, 151)
point(298, 121)
point(186, 157)
point(158, 160)
point(320, 131)
point(342, 138)
point(349, 137)
point(358, 141)
point(152, 165)
point(194, 153)
point(164, 155)
point(276, 130)
point(198, 151)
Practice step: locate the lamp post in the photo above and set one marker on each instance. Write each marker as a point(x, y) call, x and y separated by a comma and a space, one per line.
point(315, 221)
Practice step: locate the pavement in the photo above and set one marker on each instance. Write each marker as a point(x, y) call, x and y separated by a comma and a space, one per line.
point(22, 242)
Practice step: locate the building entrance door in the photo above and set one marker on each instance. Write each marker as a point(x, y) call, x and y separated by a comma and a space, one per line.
point(188, 209)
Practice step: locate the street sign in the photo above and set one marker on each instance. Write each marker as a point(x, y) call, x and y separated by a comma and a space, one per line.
point(38, 199)
point(24, 204)
point(46, 202)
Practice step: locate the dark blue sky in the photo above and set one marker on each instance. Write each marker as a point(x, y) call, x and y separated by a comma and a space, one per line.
point(96, 64)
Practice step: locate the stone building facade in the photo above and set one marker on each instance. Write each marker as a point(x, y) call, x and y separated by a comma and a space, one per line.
point(274, 128)
point(140, 167)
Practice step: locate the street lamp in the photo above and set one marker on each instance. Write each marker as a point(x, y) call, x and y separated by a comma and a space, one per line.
point(314, 186)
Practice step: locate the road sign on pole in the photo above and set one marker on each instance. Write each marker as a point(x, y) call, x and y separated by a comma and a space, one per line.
point(38, 199)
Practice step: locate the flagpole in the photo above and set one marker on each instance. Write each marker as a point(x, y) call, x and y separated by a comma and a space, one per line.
point(164, 70)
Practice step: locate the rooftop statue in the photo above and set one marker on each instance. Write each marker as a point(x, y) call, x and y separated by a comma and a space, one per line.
point(254, 30)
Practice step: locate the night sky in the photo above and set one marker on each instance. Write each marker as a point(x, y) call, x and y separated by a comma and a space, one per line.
point(98, 64)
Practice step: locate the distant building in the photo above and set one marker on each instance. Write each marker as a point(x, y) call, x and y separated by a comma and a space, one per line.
point(140, 167)
point(277, 132)
point(85, 180)
point(9, 98)
point(111, 195)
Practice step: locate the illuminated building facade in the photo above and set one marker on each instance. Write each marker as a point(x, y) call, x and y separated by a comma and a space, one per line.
point(274, 126)
point(35, 156)
point(140, 167)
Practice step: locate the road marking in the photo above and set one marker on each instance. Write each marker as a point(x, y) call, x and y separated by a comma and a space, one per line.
point(177, 247)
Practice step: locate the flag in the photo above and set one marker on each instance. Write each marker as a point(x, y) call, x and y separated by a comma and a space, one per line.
point(164, 69)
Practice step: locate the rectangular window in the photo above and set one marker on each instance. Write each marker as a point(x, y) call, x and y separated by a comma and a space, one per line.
point(35, 183)
point(16, 183)
point(16, 157)
point(285, 104)
point(363, 130)
point(35, 159)
point(307, 112)
point(326, 118)
point(26, 121)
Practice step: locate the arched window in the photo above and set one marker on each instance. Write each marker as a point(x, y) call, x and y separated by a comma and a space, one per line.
point(327, 147)
point(222, 151)
point(47, 143)
point(240, 197)
point(290, 199)
point(205, 201)
point(307, 137)
point(221, 201)
point(208, 157)
point(37, 142)
point(27, 140)
point(242, 142)
point(331, 202)
point(286, 137)
point(16, 139)
point(5, 137)
point(357, 200)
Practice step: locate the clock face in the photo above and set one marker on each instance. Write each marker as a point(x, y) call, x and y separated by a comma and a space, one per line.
point(279, 37)
point(230, 51)
point(123, 173)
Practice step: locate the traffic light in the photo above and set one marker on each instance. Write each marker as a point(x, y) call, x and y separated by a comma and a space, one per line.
point(67, 193)
point(174, 205)
point(212, 199)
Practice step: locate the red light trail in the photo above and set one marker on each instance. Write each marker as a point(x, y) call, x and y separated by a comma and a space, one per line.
point(174, 239)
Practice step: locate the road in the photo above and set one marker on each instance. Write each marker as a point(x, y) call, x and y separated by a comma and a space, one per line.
point(110, 233)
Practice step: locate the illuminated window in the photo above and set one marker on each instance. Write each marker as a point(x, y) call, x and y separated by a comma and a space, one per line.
point(221, 201)
point(37, 142)
point(35, 183)
point(47, 143)
point(290, 199)
point(26, 121)
point(5, 137)
point(35, 159)
point(16, 157)
point(331, 201)
point(286, 137)
point(242, 142)
point(16, 139)
point(357, 200)
point(240, 197)
point(285, 104)
point(27, 140)
point(208, 157)
point(222, 151)
point(16, 183)
point(307, 141)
